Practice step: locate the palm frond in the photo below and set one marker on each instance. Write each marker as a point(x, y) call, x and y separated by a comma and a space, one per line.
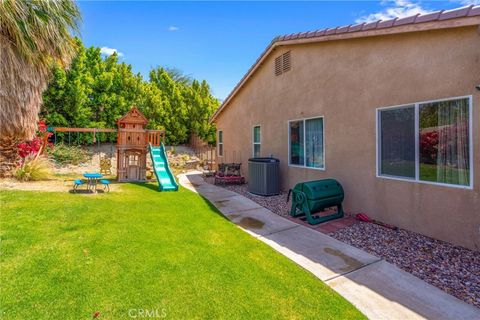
point(40, 30)
point(32, 35)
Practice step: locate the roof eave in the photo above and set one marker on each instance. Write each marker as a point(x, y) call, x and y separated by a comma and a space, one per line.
point(407, 28)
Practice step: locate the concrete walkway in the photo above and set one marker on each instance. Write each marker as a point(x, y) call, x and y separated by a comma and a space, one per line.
point(377, 288)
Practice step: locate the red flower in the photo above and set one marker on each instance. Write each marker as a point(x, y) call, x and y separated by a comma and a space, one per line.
point(35, 145)
point(42, 127)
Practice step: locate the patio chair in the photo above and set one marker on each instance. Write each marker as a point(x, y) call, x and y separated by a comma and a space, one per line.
point(76, 184)
point(106, 184)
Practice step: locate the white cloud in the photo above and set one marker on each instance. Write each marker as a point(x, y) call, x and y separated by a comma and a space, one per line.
point(395, 9)
point(109, 51)
point(470, 2)
point(173, 28)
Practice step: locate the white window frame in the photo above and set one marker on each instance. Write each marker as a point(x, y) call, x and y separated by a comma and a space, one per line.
point(219, 143)
point(304, 147)
point(416, 106)
point(253, 139)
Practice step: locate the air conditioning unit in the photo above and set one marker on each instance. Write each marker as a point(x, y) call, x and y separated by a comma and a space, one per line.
point(264, 176)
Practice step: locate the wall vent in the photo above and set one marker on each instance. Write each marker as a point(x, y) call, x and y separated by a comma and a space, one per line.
point(286, 61)
point(283, 63)
point(278, 65)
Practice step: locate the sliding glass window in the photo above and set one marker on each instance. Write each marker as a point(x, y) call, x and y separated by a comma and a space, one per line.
point(306, 143)
point(397, 142)
point(427, 142)
point(444, 142)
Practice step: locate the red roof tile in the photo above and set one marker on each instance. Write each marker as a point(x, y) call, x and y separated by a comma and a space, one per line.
point(428, 17)
point(475, 11)
point(370, 25)
point(357, 27)
point(407, 20)
point(386, 23)
point(320, 33)
point(418, 18)
point(342, 29)
point(455, 13)
point(330, 31)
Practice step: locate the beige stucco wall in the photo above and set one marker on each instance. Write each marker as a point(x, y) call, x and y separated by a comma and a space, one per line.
point(345, 81)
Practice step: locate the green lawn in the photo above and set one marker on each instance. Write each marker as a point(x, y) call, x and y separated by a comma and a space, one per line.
point(428, 172)
point(66, 256)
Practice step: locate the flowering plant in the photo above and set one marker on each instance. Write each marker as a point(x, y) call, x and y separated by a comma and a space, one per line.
point(443, 141)
point(37, 144)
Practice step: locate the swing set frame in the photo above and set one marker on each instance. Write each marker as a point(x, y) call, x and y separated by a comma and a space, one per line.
point(132, 137)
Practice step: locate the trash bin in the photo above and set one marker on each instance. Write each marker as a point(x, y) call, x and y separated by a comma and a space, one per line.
point(264, 176)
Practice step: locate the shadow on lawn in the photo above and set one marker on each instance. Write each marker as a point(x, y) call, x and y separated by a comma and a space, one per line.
point(84, 191)
point(193, 179)
point(148, 185)
point(154, 187)
point(214, 209)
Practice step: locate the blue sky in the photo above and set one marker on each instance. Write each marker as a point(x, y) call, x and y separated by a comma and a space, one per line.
point(219, 41)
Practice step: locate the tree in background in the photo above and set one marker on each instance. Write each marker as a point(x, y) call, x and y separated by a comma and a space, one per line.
point(97, 91)
point(178, 76)
point(32, 35)
point(202, 105)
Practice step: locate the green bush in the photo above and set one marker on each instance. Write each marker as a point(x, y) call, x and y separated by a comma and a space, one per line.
point(63, 154)
point(34, 169)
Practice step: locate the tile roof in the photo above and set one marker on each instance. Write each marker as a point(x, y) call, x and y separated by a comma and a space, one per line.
point(463, 12)
point(468, 11)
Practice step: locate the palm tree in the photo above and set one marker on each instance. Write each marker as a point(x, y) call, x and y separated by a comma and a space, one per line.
point(32, 35)
point(178, 76)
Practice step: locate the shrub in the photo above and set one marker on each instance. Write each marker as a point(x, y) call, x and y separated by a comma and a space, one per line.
point(63, 154)
point(37, 144)
point(33, 169)
point(29, 147)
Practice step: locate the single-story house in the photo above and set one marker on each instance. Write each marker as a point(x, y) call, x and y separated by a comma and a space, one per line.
point(390, 109)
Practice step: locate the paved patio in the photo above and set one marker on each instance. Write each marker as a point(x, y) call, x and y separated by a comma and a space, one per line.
point(377, 288)
point(329, 226)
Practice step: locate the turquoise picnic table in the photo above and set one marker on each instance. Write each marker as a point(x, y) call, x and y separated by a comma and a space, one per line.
point(92, 180)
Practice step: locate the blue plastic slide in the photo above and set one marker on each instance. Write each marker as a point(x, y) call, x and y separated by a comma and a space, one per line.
point(165, 178)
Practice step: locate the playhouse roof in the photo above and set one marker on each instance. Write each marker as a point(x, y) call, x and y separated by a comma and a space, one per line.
point(133, 116)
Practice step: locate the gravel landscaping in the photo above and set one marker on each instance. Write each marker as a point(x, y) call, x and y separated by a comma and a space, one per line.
point(453, 269)
point(276, 204)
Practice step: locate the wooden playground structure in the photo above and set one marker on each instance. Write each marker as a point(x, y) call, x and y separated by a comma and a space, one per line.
point(131, 147)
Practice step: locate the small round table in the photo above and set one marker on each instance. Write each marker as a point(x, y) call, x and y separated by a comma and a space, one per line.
point(92, 180)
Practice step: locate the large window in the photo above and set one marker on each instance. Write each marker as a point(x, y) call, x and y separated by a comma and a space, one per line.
point(220, 143)
point(397, 142)
point(427, 142)
point(256, 141)
point(306, 143)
